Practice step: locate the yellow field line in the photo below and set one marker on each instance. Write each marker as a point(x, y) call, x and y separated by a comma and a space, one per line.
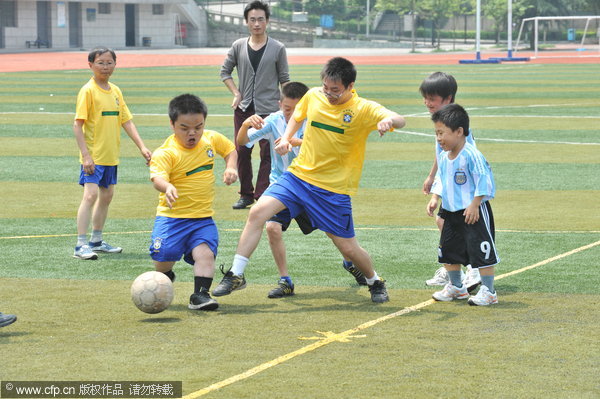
point(356, 228)
point(343, 336)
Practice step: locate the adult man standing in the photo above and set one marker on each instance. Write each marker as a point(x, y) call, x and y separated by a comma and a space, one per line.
point(262, 66)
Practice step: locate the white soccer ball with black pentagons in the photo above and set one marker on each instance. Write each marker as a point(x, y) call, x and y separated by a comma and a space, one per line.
point(152, 292)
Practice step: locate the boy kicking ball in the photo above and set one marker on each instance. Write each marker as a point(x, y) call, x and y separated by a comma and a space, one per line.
point(182, 171)
point(465, 183)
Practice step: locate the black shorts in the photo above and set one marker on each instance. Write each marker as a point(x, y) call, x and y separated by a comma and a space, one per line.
point(465, 244)
point(284, 219)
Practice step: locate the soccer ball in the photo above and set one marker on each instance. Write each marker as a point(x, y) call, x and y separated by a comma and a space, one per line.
point(152, 292)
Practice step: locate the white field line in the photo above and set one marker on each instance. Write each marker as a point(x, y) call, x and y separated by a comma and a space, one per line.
point(345, 336)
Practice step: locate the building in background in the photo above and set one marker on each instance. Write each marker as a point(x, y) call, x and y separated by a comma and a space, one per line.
point(117, 24)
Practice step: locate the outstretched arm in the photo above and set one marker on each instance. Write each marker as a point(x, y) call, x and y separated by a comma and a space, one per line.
point(254, 121)
point(132, 132)
point(394, 121)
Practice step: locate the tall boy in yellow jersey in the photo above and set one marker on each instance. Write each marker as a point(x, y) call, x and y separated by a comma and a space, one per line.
point(325, 174)
point(100, 113)
point(182, 171)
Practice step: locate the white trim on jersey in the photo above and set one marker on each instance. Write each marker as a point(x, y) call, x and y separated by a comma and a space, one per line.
point(461, 179)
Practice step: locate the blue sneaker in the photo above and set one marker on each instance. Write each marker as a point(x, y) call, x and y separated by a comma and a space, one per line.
point(6, 319)
point(105, 247)
point(85, 252)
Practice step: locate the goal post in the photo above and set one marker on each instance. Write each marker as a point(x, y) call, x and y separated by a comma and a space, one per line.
point(536, 20)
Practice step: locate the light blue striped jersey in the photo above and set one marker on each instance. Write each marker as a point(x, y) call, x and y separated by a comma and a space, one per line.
point(470, 139)
point(460, 180)
point(273, 129)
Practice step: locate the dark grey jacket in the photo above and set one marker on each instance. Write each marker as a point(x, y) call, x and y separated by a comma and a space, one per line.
point(262, 87)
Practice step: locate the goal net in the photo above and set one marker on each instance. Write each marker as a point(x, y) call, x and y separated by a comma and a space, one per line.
point(592, 33)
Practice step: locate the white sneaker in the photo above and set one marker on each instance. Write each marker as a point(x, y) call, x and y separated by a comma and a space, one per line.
point(439, 278)
point(484, 297)
point(450, 293)
point(103, 246)
point(472, 279)
point(84, 252)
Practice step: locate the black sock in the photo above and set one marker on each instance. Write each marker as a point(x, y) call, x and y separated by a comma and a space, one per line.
point(170, 274)
point(202, 282)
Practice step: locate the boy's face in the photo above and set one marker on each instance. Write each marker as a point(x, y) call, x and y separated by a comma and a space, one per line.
point(335, 91)
point(103, 66)
point(257, 22)
point(434, 102)
point(449, 139)
point(188, 129)
point(287, 106)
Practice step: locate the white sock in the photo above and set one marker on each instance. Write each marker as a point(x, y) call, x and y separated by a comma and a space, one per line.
point(239, 264)
point(82, 240)
point(371, 280)
point(96, 236)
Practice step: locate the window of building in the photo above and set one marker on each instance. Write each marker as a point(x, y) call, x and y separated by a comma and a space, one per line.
point(103, 8)
point(158, 9)
point(8, 14)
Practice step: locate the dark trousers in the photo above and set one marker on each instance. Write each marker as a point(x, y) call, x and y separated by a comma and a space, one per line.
point(244, 162)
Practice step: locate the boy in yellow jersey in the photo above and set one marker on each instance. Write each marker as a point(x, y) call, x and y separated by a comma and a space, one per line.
point(182, 171)
point(100, 113)
point(325, 173)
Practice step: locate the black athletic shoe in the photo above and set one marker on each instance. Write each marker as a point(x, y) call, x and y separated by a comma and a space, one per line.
point(360, 278)
point(379, 292)
point(283, 289)
point(230, 283)
point(202, 301)
point(6, 319)
point(243, 203)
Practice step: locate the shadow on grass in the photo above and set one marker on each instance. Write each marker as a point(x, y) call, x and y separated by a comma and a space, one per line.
point(164, 320)
point(6, 335)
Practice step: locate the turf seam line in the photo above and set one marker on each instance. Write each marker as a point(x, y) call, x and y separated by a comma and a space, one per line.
point(343, 336)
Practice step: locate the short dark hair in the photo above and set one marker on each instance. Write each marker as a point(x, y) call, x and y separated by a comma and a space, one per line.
point(441, 84)
point(453, 116)
point(96, 51)
point(257, 5)
point(339, 69)
point(186, 104)
point(294, 90)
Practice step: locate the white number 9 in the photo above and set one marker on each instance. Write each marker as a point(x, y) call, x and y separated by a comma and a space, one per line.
point(486, 248)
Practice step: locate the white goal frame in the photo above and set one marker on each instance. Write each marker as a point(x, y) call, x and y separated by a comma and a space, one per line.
point(536, 23)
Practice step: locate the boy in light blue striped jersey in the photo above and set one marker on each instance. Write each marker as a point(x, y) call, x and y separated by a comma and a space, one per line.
point(465, 183)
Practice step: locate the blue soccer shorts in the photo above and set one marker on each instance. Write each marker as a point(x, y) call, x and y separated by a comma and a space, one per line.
point(326, 210)
point(174, 237)
point(103, 176)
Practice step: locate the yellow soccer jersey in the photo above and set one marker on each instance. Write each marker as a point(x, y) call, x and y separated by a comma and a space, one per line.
point(104, 111)
point(191, 172)
point(333, 149)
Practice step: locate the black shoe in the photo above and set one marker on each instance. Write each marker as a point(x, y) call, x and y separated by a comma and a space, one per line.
point(230, 283)
point(283, 289)
point(243, 203)
point(6, 319)
point(202, 301)
point(379, 292)
point(360, 278)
